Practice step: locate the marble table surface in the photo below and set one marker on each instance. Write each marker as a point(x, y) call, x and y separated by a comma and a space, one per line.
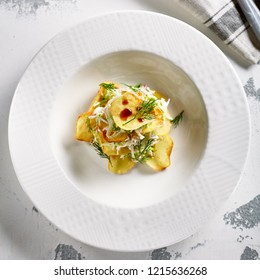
point(25, 26)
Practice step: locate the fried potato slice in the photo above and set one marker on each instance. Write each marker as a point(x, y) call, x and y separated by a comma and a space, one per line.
point(84, 127)
point(164, 128)
point(124, 110)
point(102, 96)
point(94, 102)
point(106, 92)
point(115, 136)
point(158, 127)
point(153, 125)
point(120, 165)
point(112, 151)
point(108, 147)
point(162, 153)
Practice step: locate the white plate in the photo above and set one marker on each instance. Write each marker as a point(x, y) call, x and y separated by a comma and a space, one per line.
point(70, 184)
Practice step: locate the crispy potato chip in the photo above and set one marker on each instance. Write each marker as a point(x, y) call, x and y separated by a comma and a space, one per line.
point(113, 150)
point(115, 136)
point(124, 111)
point(162, 153)
point(164, 128)
point(110, 148)
point(102, 96)
point(112, 138)
point(120, 165)
point(94, 103)
point(158, 127)
point(84, 127)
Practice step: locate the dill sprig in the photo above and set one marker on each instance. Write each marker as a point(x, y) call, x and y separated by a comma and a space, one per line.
point(90, 129)
point(108, 86)
point(133, 88)
point(143, 150)
point(99, 151)
point(107, 94)
point(115, 128)
point(177, 120)
point(104, 99)
point(144, 111)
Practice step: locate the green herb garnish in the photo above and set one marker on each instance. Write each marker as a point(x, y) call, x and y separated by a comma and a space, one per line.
point(104, 99)
point(144, 111)
point(177, 120)
point(115, 128)
point(133, 88)
point(108, 94)
point(90, 129)
point(99, 151)
point(108, 86)
point(143, 150)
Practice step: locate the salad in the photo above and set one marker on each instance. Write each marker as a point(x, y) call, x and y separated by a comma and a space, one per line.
point(128, 124)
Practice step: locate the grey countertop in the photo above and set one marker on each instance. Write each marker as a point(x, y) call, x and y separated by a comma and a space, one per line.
point(25, 26)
